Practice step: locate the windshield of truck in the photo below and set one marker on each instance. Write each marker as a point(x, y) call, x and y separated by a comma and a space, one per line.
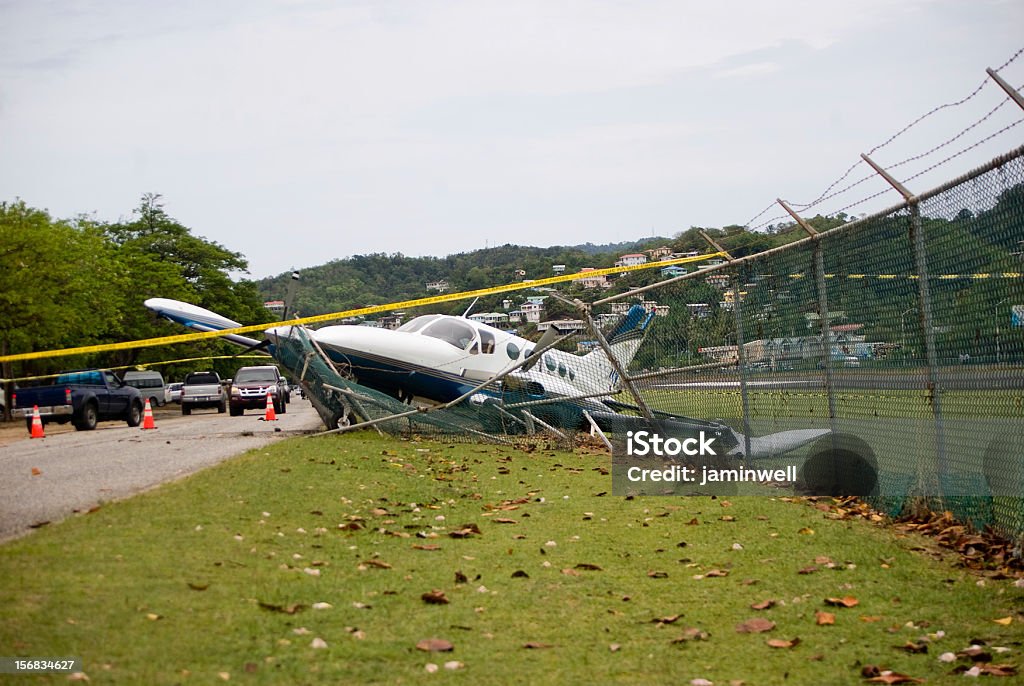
point(256, 375)
point(200, 378)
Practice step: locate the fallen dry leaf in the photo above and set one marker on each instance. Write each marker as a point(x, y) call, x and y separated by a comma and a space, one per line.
point(435, 597)
point(755, 626)
point(783, 643)
point(808, 570)
point(824, 618)
point(657, 575)
point(668, 619)
point(914, 647)
point(428, 546)
point(504, 520)
point(589, 567)
point(379, 564)
point(763, 605)
point(1005, 621)
point(286, 609)
point(806, 531)
point(435, 645)
point(691, 634)
point(716, 573)
point(888, 677)
point(535, 645)
point(845, 601)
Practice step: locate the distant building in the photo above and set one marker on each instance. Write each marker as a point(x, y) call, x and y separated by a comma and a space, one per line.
point(558, 268)
point(596, 281)
point(659, 253)
point(439, 286)
point(563, 325)
point(699, 310)
point(718, 280)
point(391, 321)
point(631, 260)
point(710, 263)
point(673, 271)
point(275, 307)
point(533, 309)
point(498, 319)
point(506, 304)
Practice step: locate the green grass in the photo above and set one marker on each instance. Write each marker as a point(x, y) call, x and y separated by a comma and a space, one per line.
point(120, 587)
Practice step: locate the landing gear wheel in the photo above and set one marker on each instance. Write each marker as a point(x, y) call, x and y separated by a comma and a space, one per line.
point(343, 418)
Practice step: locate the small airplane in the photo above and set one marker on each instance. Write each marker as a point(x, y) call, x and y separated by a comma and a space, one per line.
point(438, 359)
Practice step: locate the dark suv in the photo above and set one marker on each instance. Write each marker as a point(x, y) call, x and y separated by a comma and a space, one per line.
point(250, 387)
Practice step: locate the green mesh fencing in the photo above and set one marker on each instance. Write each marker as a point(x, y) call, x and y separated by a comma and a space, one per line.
point(899, 338)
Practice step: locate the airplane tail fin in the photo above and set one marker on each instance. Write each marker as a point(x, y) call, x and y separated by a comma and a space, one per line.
point(624, 341)
point(198, 318)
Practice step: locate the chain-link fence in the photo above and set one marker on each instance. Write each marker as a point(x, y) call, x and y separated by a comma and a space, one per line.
point(883, 358)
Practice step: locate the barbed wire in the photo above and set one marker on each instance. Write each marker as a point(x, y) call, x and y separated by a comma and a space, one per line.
point(964, 150)
point(828, 193)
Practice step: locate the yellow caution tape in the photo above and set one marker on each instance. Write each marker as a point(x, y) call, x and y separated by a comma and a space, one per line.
point(374, 309)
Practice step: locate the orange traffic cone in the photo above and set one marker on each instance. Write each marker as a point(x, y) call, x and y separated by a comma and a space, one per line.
point(147, 417)
point(37, 423)
point(270, 415)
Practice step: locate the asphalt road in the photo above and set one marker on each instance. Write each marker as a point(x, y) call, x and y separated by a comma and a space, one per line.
point(46, 480)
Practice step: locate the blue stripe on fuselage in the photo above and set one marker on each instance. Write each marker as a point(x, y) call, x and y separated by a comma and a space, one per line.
point(391, 376)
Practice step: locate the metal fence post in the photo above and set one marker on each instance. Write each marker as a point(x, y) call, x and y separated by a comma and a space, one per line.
point(927, 324)
point(826, 331)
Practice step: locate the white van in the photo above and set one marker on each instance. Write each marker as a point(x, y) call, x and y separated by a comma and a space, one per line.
point(150, 384)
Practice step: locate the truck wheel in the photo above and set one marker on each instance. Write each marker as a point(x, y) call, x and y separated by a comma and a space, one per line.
point(186, 409)
point(87, 418)
point(28, 424)
point(223, 407)
point(134, 417)
point(237, 411)
point(284, 406)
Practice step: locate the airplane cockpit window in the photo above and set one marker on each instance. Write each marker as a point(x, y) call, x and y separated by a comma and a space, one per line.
point(486, 342)
point(452, 331)
point(418, 323)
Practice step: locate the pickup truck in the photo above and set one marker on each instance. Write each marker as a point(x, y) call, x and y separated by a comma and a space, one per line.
point(81, 397)
point(203, 389)
point(251, 385)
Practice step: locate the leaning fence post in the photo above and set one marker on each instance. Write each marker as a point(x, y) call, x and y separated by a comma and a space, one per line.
point(924, 296)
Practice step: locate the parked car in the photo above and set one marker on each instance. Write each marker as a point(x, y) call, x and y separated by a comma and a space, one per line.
point(150, 384)
point(203, 389)
point(81, 397)
point(174, 392)
point(251, 385)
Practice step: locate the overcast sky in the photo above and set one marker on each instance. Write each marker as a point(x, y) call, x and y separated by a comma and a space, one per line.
point(297, 132)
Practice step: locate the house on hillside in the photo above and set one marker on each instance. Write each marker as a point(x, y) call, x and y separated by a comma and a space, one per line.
point(631, 260)
point(596, 281)
point(441, 286)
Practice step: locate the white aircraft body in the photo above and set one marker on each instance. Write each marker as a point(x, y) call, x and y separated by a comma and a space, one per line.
point(439, 358)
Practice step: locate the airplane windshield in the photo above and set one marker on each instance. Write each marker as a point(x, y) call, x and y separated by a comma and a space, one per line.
point(418, 323)
point(452, 331)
